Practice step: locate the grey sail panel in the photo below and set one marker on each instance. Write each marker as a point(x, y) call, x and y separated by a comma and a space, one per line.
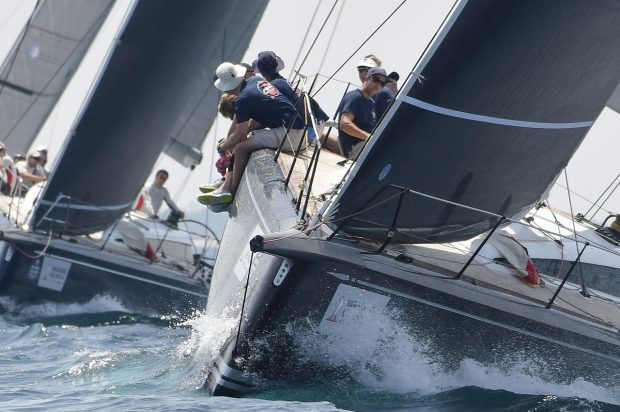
point(614, 101)
point(42, 63)
point(510, 91)
point(140, 97)
point(229, 42)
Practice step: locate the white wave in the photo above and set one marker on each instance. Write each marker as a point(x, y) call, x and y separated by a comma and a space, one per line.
point(207, 338)
point(382, 356)
point(99, 304)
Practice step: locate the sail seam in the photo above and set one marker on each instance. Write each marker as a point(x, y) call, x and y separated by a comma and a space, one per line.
point(85, 207)
point(493, 120)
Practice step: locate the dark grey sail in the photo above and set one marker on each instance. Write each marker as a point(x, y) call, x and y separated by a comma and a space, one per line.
point(137, 103)
point(228, 44)
point(614, 101)
point(510, 90)
point(42, 62)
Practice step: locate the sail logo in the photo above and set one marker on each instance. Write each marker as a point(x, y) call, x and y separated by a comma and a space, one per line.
point(385, 171)
point(267, 89)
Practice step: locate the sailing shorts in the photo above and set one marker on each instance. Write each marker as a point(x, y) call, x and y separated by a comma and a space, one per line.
point(271, 138)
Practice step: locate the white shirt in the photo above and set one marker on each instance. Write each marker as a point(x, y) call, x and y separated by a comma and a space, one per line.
point(154, 197)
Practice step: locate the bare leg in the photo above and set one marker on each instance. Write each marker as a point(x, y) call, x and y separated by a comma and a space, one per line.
point(331, 142)
point(242, 153)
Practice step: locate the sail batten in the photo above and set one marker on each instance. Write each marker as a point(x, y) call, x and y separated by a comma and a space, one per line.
point(510, 90)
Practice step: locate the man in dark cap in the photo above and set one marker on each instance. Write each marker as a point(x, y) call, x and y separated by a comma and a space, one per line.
point(357, 113)
point(384, 98)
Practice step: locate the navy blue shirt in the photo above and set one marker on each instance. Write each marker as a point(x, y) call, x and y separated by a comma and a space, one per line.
point(382, 101)
point(364, 117)
point(261, 101)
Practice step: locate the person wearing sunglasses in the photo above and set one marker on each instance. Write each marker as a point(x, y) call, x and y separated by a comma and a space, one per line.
point(367, 63)
point(384, 98)
point(357, 113)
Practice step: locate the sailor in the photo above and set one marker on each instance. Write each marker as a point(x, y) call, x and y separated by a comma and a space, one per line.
point(257, 100)
point(9, 175)
point(154, 195)
point(384, 98)
point(357, 113)
point(30, 170)
point(43, 162)
point(331, 142)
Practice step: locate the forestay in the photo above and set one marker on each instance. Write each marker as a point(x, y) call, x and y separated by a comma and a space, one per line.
point(140, 98)
point(42, 62)
point(510, 89)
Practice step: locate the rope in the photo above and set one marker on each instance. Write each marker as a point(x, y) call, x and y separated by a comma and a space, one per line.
point(331, 37)
point(602, 194)
point(38, 255)
point(584, 291)
point(306, 37)
point(360, 46)
point(245, 293)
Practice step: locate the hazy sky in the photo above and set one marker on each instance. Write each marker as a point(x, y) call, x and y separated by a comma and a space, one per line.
point(282, 29)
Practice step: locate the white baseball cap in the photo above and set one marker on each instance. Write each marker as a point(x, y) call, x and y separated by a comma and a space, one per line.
point(229, 76)
point(367, 62)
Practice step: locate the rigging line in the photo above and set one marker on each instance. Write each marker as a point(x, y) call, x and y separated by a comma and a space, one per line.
point(316, 37)
point(22, 36)
point(360, 46)
point(600, 197)
point(75, 48)
point(570, 203)
point(318, 6)
point(606, 199)
point(331, 37)
point(582, 197)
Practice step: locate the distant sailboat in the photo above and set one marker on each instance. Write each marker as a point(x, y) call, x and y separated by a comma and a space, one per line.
point(149, 98)
point(471, 149)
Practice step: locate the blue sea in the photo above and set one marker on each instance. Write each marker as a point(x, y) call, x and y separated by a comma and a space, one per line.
point(98, 357)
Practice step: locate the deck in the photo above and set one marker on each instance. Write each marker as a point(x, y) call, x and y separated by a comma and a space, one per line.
point(449, 259)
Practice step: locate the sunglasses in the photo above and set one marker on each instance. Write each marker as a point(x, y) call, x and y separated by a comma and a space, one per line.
point(378, 81)
point(362, 69)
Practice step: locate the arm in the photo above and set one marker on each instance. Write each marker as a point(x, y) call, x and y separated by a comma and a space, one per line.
point(346, 125)
point(172, 205)
point(239, 134)
point(29, 176)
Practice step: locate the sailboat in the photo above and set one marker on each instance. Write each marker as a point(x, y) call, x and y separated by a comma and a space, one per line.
point(422, 228)
point(75, 237)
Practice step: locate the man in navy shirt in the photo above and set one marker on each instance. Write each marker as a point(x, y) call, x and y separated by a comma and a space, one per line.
point(384, 98)
point(258, 101)
point(357, 113)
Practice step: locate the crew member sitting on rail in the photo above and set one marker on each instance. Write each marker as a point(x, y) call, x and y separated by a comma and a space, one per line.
point(257, 100)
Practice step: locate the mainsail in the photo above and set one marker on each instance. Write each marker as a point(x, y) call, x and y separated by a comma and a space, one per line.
point(507, 93)
point(42, 62)
point(228, 44)
point(162, 56)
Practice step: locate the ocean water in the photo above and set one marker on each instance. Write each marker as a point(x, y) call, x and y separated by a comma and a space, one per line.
point(99, 356)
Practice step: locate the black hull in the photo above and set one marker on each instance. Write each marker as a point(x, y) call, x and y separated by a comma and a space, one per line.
point(77, 274)
point(301, 286)
point(461, 324)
